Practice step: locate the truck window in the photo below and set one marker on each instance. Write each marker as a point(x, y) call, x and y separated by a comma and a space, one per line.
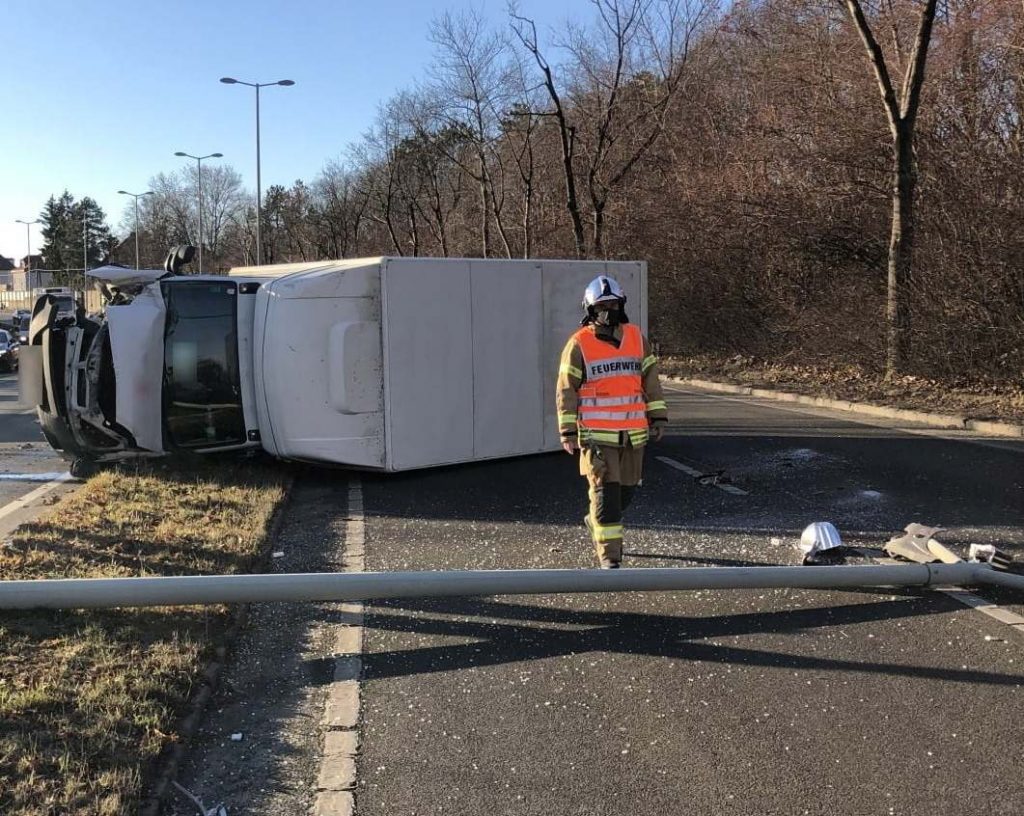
point(202, 390)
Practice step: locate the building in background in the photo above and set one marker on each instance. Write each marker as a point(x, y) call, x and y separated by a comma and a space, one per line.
point(6, 273)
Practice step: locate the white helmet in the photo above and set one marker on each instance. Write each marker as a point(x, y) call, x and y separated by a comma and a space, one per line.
point(603, 288)
point(818, 538)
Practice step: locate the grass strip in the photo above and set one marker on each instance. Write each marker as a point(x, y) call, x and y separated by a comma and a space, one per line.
point(89, 698)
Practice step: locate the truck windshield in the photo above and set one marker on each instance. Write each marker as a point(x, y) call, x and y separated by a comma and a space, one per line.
point(202, 390)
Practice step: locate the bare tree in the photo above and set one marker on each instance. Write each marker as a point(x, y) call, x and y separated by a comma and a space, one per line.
point(626, 72)
point(171, 216)
point(519, 127)
point(901, 110)
point(471, 81)
point(340, 209)
point(378, 154)
point(526, 31)
point(223, 198)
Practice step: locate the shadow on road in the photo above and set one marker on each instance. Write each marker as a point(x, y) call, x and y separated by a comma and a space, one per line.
point(509, 632)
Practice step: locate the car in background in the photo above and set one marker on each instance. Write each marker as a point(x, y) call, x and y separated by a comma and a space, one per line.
point(8, 351)
point(22, 329)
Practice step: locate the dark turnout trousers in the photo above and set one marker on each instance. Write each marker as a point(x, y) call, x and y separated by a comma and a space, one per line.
point(612, 475)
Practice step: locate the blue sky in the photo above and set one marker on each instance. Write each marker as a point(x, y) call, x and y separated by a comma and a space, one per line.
point(99, 94)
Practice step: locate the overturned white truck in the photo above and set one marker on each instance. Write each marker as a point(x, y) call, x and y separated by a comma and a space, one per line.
point(380, 363)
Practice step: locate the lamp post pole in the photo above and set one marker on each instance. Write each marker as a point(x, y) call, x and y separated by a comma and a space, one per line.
point(199, 180)
point(136, 196)
point(259, 191)
point(28, 247)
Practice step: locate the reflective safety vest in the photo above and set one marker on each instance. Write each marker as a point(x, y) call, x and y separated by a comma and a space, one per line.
point(611, 398)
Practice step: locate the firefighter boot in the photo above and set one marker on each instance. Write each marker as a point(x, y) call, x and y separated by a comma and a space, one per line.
point(605, 523)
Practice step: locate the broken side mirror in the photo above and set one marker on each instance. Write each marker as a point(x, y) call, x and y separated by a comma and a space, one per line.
point(178, 257)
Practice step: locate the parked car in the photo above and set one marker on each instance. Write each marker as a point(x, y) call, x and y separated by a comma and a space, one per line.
point(8, 351)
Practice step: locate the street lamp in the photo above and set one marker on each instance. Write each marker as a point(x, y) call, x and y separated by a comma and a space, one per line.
point(136, 196)
point(199, 179)
point(259, 203)
point(28, 241)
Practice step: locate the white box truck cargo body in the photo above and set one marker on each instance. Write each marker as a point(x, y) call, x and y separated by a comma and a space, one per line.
point(397, 363)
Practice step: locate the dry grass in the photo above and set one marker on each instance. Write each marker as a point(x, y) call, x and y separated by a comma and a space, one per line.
point(978, 398)
point(89, 698)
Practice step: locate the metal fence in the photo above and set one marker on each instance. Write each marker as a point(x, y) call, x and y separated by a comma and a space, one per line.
point(13, 300)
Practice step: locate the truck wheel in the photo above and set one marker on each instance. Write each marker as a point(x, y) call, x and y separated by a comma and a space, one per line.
point(83, 469)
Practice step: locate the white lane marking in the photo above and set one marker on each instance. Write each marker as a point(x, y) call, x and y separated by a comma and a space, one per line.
point(17, 410)
point(984, 606)
point(337, 776)
point(30, 477)
point(38, 493)
point(672, 463)
point(689, 471)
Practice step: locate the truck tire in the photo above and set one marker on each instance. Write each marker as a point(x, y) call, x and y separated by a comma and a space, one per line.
point(83, 468)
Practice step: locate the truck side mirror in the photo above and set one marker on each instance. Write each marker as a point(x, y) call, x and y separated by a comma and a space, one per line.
point(178, 257)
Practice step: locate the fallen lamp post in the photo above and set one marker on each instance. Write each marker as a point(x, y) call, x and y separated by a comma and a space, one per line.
point(94, 593)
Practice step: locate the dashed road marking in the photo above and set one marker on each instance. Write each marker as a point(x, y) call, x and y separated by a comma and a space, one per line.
point(38, 493)
point(696, 474)
point(30, 477)
point(337, 778)
point(985, 606)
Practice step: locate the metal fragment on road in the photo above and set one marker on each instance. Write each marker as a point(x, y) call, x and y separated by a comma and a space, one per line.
point(989, 554)
point(216, 810)
point(919, 546)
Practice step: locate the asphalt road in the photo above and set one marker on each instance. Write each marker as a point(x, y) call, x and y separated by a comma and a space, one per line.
point(745, 702)
point(26, 461)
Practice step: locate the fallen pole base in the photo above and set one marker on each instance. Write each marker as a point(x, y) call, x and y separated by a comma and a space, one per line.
point(97, 593)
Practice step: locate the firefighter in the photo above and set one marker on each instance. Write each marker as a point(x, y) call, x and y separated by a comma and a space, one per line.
point(610, 404)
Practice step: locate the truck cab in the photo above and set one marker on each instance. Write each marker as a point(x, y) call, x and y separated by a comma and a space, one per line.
point(168, 368)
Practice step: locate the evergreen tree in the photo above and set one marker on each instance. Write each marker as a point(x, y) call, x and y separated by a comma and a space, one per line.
point(56, 218)
point(74, 231)
point(91, 224)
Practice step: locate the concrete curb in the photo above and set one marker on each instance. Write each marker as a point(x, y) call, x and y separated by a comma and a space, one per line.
point(946, 421)
point(336, 780)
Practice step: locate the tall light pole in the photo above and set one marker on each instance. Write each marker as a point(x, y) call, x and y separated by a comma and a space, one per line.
point(136, 196)
point(259, 192)
point(199, 179)
point(28, 243)
point(85, 250)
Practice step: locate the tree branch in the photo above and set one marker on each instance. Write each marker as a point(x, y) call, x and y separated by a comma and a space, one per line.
point(914, 79)
point(878, 64)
